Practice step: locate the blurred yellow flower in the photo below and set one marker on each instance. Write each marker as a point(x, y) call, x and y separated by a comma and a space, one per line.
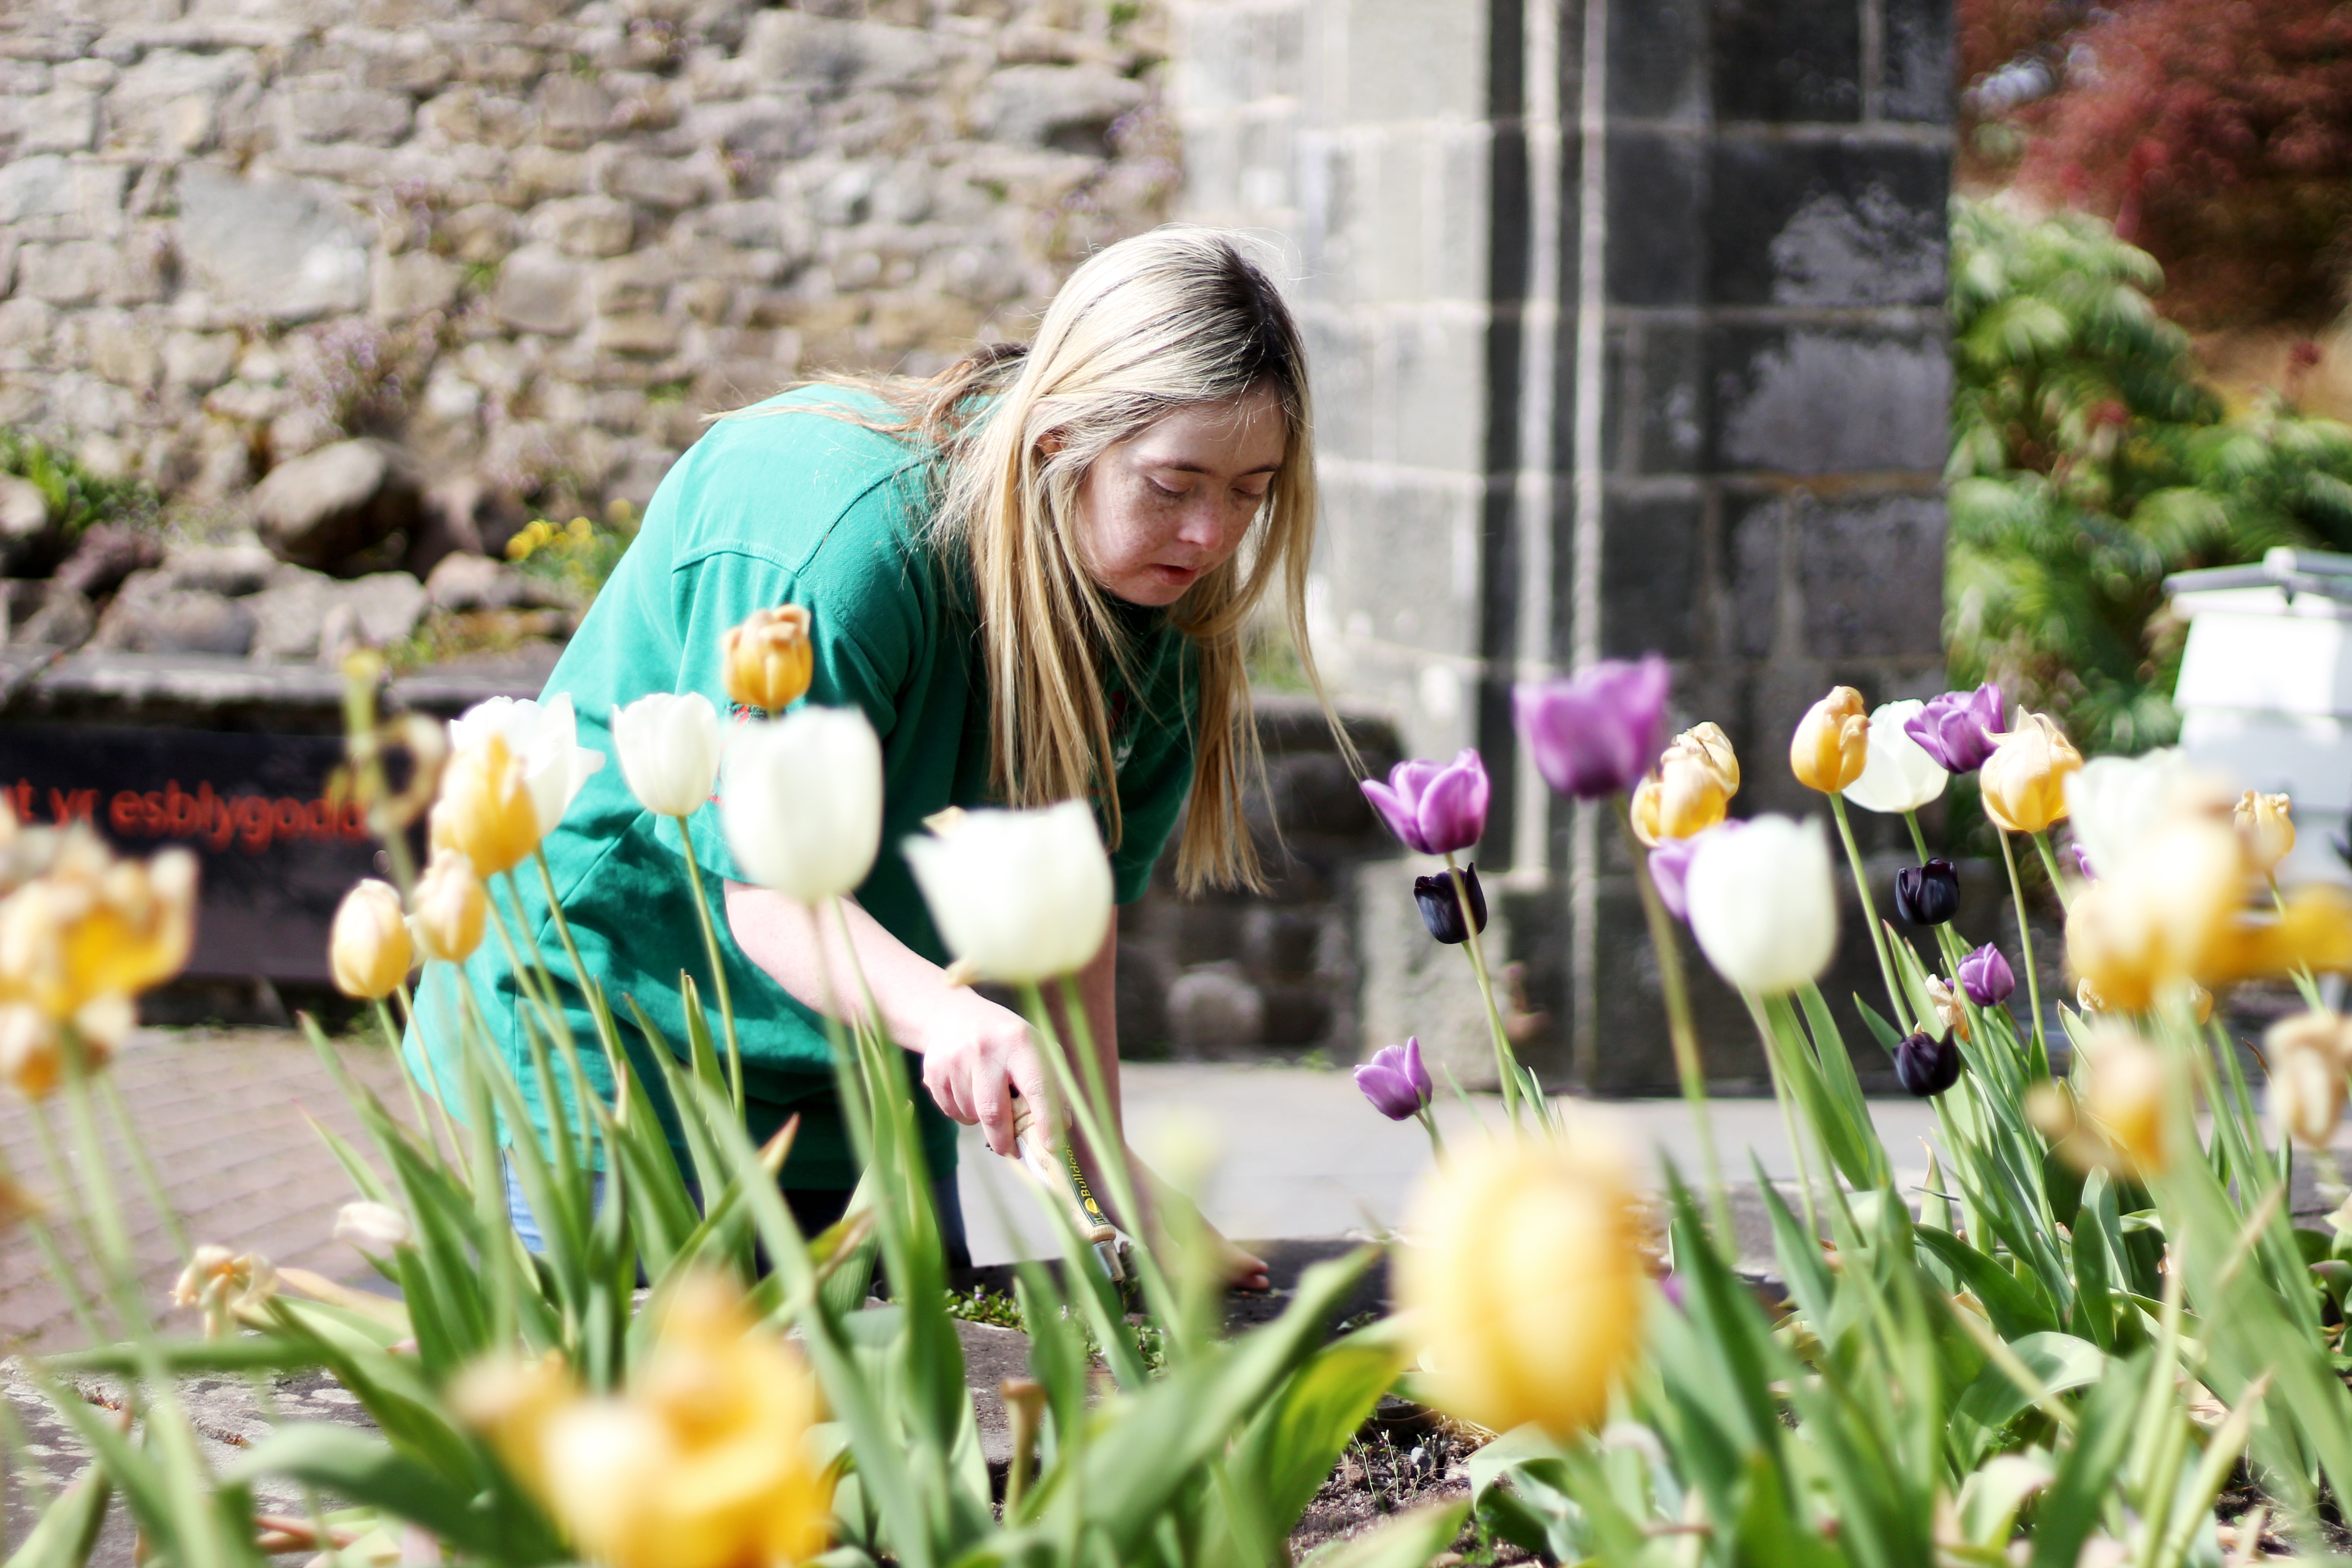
point(78, 941)
point(16, 1202)
point(224, 1285)
point(448, 909)
point(30, 1061)
point(2024, 780)
point(1832, 744)
point(1691, 788)
point(767, 662)
point(2307, 1062)
point(1523, 1278)
point(368, 951)
point(1949, 1008)
point(701, 1463)
point(2125, 1094)
point(486, 810)
point(2266, 823)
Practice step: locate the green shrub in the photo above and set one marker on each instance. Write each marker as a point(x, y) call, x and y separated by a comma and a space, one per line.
point(76, 497)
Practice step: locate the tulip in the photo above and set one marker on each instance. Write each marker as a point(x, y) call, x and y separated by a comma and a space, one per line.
point(1593, 735)
point(368, 951)
point(2024, 781)
point(2087, 999)
point(1435, 809)
point(2125, 1094)
point(2264, 823)
point(1523, 1280)
point(2083, 863)
point(544, 739)
point(30, 1052)
point(1959, 729)
point(2113, 803)
point(2307, 1062)
point(1690, 790)
point(1927, 895)
point(669, 747)
point(767, 662)
point(1669, 867)
point(486, 811)
point(1832, 744)
point(448, 910)
point(1926, 1065)
point(1947, 1004)
point(1985, 975)
point(373, 1227)
point(1395, 1082)
point(802, 801)
point(701, 1462)
point(2327, 1032)
point(1441, 906)
point(1897, 774)
point(1763, 904)
point(1024, 896)
point(224, 1285)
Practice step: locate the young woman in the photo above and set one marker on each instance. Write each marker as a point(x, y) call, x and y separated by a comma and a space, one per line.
point(1032, 573)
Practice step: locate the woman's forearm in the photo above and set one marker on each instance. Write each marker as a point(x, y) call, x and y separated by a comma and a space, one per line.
point(804, 951)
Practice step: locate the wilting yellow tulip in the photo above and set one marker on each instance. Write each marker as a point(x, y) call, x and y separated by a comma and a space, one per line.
point(700, 1463)
point(2307, 1062)
point(224, 1285)
point(767, 661)
point(1691, 788)
point(2126, 1093)
point(2266, 822)
point(486, 810)
point(1832, 745)
point(2024, 780)
point(448, 907)
point(1524, 1281)
point(1948, 1006)
point(368, 951)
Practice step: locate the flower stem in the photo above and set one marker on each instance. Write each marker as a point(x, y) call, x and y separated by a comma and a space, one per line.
point(458, 1162)
point(2303, 981)
point(1870, 914)
point(2050, 864)
point(1507, 1062)
point(718, 964)
point(2025, 952)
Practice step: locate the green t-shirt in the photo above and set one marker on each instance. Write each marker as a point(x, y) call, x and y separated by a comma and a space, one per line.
point(785, 505)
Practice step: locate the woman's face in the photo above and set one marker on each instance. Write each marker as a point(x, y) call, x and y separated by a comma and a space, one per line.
point(1161, 509)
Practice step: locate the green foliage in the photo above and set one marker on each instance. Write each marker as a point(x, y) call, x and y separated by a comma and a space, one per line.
point(2088, 463)
point(76, 497)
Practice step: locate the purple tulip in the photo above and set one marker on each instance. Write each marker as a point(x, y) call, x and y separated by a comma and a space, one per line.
point(1395, 1081)
point(1435, 808)
point(1595, 734)
point(1670, 864)
point(1441, 906)
point(2083, 862)
point(1958, 727)
point(1984, 975)
point(1926, 1065)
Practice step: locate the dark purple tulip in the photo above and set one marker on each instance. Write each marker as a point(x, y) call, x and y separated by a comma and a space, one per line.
point(1435, 808)
point(1958, 727)
point(1595, 734)
point(1927, 895)
point(1985, 976)
point(1927, 1066)
point(1395, 1081)
point(1441, 909)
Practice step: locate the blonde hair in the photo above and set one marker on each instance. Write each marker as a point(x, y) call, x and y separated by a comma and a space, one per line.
point(1165, 320)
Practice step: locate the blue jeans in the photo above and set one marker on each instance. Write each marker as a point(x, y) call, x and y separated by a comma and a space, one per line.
point(813, 1209)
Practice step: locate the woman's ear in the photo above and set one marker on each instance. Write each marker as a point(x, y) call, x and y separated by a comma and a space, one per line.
point(1051, 442)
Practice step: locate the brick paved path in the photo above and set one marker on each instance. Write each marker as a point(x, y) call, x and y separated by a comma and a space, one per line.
point(221, 1113)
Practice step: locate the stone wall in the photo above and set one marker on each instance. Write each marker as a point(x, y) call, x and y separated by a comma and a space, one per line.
point(534, 241)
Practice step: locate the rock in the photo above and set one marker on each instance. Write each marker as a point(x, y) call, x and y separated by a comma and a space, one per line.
point(273, 247)
point(232, 570)
point(24, 523)
point(65, 619)
point(20, 598)
point(148, 616)
point(542, 290)
point(305, 616)
point(586, 225)
point(1068, 108)
point(1211, 1011)
point(462, 515)
point(326, 506)
point(107, 553)
point(463, 581)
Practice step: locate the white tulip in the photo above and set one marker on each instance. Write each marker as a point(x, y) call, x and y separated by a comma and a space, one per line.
point(546, 739)
point(372, 1226)
point(2118, 803)
point(669, 746)
point(1763, 903)
point(1024, 896)
point(802, 803)
point(1899, 775)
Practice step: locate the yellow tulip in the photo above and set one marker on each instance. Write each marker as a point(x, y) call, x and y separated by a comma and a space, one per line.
point(2266, 822)
point(223, 1285)
point(30, 1062)
point(2127, 1095)
point(91, 933)
point(2024, 780)
point(2307, 1062)
point(767, 661)
point(700, 1463)
point(1949, 1008)
point(1832, 745)
point(486, 809)
point(1690, 790)
point(448, 907)
point(1524, 1281)
point(368, 951)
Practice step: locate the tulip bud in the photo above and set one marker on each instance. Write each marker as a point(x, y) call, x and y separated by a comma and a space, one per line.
point(368, 947)
point(1959, 729)
point(1395, 1082)
point(2125, 1094)
point(1926, 1065)
point(802, 804)
point(1949, 1010)
point(1433, 808)
point(1691, 789)
point(1832, 744)
point(1592, 736)
point(485, 811)
point(543, 739)
point(448, 907)
point(1897, 774)
point(2024, 781)
point(1763, 904)
point(767, 662)
point(373, 1227)
point(1441, 906)
point(2307, 1098)
point(1927, 895)
point(2266, 823)
point(2326, 1033)
point(669, 747)
point(1524, 1278)
point(1024, 895)
point(1985, 975)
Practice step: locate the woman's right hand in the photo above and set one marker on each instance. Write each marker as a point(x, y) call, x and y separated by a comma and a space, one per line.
point(977, 1056)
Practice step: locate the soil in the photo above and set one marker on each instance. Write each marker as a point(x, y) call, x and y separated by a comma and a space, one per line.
point(1404, 1457)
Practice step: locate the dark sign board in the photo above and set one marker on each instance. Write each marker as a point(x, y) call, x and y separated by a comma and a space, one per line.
point(277, 856)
